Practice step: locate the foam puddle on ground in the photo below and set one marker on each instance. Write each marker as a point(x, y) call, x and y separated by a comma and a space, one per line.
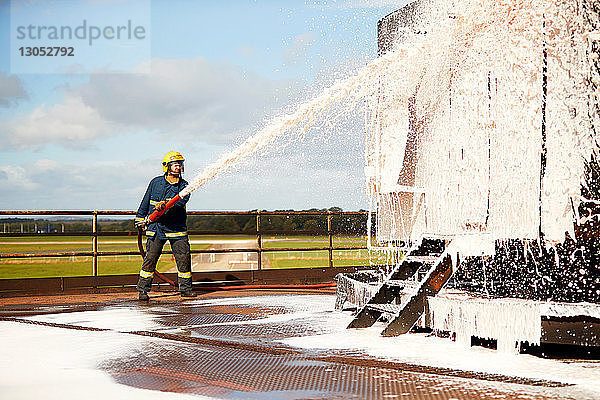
point(39, 362)
point(418, 349)
point(117, 319)
point(65, 358)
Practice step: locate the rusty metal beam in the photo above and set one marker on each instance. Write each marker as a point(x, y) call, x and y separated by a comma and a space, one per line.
point(72, 212)
point(120, 212)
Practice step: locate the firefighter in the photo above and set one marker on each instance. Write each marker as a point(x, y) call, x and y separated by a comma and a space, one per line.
point(171, 226)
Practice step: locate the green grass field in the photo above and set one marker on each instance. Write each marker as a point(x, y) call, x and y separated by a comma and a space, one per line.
point(130, 264)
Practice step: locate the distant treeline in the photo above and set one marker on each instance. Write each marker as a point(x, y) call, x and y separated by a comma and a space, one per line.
point(352, 224)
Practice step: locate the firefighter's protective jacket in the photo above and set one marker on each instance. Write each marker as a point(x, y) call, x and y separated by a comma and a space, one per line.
point(172, 225)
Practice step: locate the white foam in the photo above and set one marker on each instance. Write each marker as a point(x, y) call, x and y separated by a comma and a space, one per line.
point(477, 83)
point(418, 349)
point(118, 319)
point(39, 362)
point(507, 320)
point(438, 352)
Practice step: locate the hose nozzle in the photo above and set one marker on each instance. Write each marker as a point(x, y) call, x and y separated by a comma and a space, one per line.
point(157, 214)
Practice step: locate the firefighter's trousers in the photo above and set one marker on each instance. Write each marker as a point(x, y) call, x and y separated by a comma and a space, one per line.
point(181, 252)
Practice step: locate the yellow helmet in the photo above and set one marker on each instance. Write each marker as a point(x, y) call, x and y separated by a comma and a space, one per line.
point(170, 157)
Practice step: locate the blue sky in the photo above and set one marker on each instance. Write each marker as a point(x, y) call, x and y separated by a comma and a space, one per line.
point(217, 71)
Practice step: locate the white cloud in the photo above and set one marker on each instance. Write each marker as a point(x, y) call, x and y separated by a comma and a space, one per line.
point(50, 184)
point(189, 98)
point(70, 123)
point(45, 164)
point(192, 98)
point(15, 178)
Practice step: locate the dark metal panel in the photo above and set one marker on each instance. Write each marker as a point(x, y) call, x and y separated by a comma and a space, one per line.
point(77, 282)
point(221, 276)
point(31, 285)
point(579, 331)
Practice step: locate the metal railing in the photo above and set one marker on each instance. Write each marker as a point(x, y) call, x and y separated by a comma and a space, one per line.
point(259, 215)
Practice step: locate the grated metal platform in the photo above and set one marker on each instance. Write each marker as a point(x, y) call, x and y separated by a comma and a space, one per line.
point(225, 345)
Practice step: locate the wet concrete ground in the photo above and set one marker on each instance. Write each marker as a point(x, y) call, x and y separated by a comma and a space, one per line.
point(236, 345)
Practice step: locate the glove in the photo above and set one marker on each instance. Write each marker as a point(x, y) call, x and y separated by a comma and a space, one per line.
point(160, 205)
point(143, 223)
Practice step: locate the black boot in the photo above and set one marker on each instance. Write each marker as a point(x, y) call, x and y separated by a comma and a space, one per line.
point(143, 296)
point(188, 293)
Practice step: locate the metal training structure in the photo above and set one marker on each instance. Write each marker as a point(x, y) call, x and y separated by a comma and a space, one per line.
point(495, 217)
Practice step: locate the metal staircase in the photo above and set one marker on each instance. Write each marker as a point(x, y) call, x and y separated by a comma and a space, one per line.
point(423, 272)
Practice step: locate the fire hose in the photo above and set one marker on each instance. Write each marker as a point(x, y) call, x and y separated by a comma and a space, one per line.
point(157, 214)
